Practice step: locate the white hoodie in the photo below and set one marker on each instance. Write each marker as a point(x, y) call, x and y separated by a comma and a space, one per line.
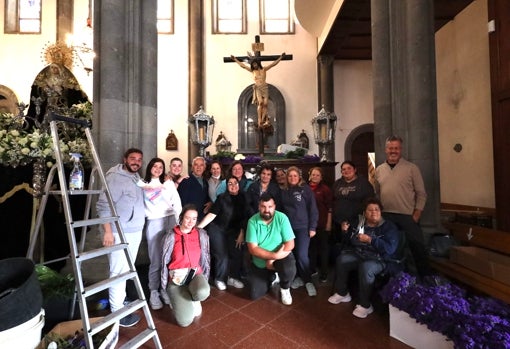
point(161, 200)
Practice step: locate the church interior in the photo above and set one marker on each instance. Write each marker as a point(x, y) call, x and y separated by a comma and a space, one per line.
point(430, 71)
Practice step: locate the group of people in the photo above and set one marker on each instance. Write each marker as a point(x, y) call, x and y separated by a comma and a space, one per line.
point(278, 229)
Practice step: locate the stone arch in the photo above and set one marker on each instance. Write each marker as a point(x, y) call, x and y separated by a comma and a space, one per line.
point(247, 133)
point(8, 100)
point(359, 142)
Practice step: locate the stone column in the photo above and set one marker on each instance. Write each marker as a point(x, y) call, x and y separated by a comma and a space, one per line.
point(403, 56)
point(125, 78)
point(196, 55)
point(326, 95)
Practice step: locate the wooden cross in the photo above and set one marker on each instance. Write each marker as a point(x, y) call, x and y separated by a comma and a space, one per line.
point(257, 48)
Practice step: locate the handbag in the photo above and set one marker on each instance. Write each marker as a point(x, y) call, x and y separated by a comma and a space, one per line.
point(182, 276)
point(440, 245)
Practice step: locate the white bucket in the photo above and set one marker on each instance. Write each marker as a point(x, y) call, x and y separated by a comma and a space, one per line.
point(24, 336)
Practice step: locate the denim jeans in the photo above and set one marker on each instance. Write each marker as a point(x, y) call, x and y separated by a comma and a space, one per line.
point(368, 269)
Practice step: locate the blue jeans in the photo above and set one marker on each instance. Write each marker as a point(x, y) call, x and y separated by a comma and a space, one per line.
point(227, 259)
point(367, 269)
point(301, 247)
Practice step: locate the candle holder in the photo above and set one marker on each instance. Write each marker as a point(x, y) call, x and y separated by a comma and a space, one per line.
point(324, 126)
point(201, 130)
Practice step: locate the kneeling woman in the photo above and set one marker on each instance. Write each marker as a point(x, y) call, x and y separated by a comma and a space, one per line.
point(186, 266)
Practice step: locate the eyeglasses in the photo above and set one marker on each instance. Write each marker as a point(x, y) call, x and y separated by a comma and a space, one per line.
point(232, 184)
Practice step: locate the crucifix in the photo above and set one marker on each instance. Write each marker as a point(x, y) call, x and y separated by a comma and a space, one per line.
point(252, 63)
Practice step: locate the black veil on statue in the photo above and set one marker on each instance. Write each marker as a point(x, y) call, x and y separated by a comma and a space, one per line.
point(54, 87)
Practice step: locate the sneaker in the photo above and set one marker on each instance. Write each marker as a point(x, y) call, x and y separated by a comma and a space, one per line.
point(220, 285)
point(165, 297)
point(337, 299)
point(286, 297)
point(297, 283)
point(235, 283)
point(129, 320)
point(362, 312)
point(276, 280)
point(197, 308)
point(310, 289)
point(323, 278)
point(154, 301)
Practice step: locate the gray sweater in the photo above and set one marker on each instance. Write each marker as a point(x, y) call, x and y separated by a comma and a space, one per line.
point(127, 198)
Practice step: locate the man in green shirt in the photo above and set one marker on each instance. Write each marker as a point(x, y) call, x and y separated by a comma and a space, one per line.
point(270, 241)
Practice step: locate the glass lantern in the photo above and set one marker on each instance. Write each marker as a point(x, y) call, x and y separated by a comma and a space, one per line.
point(201, 130)
point(324, 126)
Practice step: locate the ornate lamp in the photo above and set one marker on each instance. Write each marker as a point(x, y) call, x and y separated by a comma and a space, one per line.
point(202, 126)
point(324, 126)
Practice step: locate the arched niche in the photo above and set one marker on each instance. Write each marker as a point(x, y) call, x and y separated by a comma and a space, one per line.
point(8, 101)
point(248, 135)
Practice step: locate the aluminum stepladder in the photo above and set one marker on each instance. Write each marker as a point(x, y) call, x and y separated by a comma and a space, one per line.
point(78, 255)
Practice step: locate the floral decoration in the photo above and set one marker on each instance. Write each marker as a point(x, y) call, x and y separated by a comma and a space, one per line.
point(471, 322)
point(227, 157)
point(22, 142)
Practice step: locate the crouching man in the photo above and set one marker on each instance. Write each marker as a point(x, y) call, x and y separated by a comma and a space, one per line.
point(270, 241)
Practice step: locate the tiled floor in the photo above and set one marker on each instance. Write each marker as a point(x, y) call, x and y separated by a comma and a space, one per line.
point(231, 320)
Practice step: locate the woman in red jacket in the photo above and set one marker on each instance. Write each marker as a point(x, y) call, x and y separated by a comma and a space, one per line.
point(319, 244)
point(186, 266)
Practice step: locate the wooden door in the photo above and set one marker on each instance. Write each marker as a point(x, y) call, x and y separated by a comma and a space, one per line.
point(499, 49)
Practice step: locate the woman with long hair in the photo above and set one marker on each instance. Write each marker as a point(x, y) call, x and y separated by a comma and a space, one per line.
point(162, 209)
point(298, 203)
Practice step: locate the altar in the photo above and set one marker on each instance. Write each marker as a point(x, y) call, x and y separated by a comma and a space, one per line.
point(328, 167)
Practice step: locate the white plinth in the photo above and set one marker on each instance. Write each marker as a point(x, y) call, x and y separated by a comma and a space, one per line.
point(408, 331)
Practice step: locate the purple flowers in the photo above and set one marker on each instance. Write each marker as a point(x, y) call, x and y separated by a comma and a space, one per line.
point(470, 322)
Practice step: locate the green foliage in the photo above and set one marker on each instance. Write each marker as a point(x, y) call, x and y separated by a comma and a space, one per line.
point(53, 284)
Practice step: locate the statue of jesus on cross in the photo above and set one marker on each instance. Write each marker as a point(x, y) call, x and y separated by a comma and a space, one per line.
point(253, 64)
point(260, 87)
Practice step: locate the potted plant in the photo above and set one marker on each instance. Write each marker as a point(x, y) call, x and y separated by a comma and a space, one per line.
point(58, 295)
point(468, 321)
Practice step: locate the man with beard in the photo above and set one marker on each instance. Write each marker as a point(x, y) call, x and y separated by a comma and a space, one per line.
point(270, 241)
point(127, 197)
point(400, 187)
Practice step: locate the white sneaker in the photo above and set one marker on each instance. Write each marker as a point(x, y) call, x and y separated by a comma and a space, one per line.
point(197, 308)
point(220, 285)
point(286, 297)
point(310, 289)
point(165, 297)
point(337, 299)
point(362, 312)
point(154, 300)
point(297, 283)
point(235, 283)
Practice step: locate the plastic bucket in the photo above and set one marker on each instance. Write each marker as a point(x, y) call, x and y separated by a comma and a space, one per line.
point(26, 335)
point(20, 292)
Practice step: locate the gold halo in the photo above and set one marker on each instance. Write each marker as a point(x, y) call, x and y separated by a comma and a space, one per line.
point(59, 53)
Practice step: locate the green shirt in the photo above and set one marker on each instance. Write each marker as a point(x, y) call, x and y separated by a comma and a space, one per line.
point(270, 236)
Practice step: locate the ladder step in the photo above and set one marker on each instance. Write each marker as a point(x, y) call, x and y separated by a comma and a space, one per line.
point(98, 252)
point(114, 317)
point(139, 339)
point(93, 221)
point(104, 284)
point(77, 192)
